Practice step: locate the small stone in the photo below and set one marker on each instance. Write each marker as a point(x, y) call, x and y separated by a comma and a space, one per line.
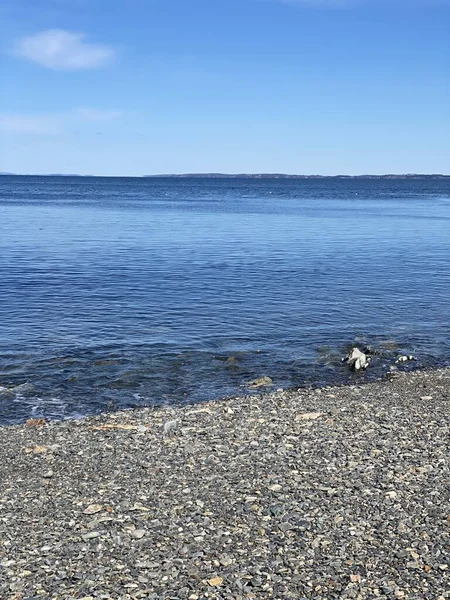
point(276, 487)
point(92, 509)
point(36, 450)
point(137, 533)
point(170, 427)
point(35, 422)
point(90, 535)
point(311, 416)
point(48, 475)
point(426, 397)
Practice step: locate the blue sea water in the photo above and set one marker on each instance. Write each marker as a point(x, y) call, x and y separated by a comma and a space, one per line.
point(122, 292)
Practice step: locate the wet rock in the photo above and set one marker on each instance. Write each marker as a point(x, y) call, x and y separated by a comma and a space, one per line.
point(35, 422)
point(260, 382)
point(357, 360)
point(23, 388)
point(405, 358)
point(105, 362)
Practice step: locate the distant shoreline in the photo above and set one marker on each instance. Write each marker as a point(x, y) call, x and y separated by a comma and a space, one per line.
point(433, 176)
point(288, 176)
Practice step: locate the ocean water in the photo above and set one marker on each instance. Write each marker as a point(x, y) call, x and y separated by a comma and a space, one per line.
point(123, 292)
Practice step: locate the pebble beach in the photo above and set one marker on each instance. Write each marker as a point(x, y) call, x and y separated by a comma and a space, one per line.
point(338, 492)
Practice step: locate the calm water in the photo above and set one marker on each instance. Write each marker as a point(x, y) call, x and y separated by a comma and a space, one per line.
point(126, 292)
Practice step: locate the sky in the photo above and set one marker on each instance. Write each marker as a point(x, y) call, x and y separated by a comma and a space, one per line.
point(136, 87)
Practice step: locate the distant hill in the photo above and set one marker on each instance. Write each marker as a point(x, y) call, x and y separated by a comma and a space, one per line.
point(287, 176)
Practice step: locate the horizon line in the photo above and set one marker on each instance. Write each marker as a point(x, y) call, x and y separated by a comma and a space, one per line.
point(231, 175)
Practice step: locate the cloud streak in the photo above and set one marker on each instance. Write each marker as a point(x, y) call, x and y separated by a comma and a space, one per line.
point(97, 115)
point(54, 124)
point(30, 124)
point(63, 50)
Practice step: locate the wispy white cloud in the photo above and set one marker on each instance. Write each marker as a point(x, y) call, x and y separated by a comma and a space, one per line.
point(63, 50)
point(54, 124)
point(98, 115)
point(34, 124)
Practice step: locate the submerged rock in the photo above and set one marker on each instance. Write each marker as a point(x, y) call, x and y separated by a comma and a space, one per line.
point(22, 388)
point(260, 382)
point(357, 360)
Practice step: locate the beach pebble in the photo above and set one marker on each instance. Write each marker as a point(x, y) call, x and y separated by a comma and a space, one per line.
point(333, 493)
point(171, 427)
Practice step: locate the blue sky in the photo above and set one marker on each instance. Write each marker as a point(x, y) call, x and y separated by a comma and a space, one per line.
point(133, 87)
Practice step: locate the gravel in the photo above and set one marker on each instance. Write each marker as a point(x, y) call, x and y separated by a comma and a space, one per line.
point(330, 493)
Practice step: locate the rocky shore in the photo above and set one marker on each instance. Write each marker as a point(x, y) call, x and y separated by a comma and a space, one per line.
point(339, 492)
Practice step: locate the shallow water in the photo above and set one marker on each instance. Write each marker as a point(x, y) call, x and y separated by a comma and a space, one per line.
point(118, 292)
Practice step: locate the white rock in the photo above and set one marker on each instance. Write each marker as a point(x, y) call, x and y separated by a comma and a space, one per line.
point(357, 360)
point(170, 427)
point(276, 487)
point(90, 536)
point(405, 358)
point(391, 495)
point(308, 416)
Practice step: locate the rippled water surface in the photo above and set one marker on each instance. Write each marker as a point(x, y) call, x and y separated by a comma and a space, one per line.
point(125, 292)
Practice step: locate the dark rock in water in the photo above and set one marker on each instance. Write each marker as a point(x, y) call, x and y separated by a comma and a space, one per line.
point(231, 360)
point(357, 360)
point(371, 351)
point(105, 362)
point(389, 344)
point(260, 382)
